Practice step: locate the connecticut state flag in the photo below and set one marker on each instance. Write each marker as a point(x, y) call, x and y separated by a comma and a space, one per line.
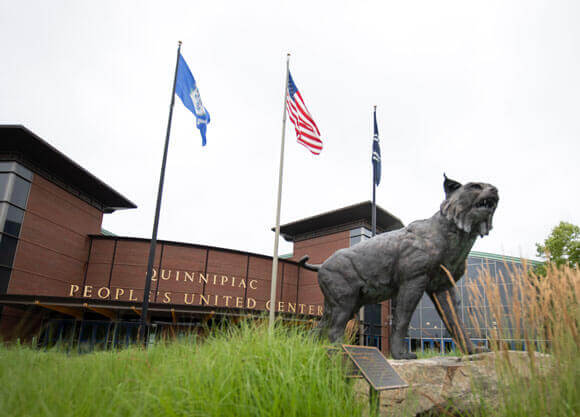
point(186, 89)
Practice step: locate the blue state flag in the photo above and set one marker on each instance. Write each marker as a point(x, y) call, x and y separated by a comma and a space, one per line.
point(186, 89)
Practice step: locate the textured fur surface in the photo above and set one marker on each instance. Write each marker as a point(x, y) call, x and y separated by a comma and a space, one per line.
point(403, 264)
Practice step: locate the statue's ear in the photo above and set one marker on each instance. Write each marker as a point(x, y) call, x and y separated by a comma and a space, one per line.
point(450, 186)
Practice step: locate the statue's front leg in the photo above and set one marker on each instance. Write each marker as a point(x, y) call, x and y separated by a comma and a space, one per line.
point(408, 296)
point(448, 306)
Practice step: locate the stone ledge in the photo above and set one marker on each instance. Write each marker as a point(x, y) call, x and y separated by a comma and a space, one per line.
point(435, 382)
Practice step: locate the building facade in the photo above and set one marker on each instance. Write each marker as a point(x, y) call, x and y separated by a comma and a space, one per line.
point(427, 330)
point(62, 278)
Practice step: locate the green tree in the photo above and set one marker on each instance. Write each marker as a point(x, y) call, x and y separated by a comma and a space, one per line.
point(561, 247)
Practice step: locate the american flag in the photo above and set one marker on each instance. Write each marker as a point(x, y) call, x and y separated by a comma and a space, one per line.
point(307, 133)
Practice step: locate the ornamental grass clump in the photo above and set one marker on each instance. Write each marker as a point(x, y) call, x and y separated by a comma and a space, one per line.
point(543, 317)
point(244, 370)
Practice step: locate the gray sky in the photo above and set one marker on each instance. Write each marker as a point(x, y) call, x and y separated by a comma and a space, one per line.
point(484, 91)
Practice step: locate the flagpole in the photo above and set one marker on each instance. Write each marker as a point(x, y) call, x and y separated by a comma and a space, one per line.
point(144, 327)
point(277, 233)
point(374, 214)
point(374, 233)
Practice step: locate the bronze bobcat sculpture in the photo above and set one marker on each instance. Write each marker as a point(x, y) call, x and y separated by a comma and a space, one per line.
point(403, 264)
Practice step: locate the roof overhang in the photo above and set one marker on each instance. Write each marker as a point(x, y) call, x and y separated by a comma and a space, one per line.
point(345, 218)
point(19, 143)
point(76, 307)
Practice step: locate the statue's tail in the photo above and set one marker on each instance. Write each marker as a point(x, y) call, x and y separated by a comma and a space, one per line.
point(310, 267)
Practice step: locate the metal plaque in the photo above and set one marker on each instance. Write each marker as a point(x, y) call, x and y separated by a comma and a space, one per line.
point(374, 367)
point(351, 370)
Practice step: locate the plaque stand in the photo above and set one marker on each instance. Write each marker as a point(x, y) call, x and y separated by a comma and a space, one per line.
point(374, 401)
point(375, 368)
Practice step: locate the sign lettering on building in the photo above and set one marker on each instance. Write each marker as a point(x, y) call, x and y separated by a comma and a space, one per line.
point(188, 297)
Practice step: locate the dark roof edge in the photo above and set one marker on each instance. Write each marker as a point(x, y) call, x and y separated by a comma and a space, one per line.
point(382, 214)
point(343, 227)
point(127, 203)
point(305, 219)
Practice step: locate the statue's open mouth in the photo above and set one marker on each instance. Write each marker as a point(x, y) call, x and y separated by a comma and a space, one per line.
point(488, 202)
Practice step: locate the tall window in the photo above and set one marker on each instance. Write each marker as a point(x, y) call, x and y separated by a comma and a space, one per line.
point(15, 183)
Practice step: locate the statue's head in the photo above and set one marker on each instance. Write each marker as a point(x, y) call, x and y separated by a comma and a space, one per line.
point(470, 206)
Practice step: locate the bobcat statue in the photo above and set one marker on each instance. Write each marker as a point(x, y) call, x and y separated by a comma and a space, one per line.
point(401, 265)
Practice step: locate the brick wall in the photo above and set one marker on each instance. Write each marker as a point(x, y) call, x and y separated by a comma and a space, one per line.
point(318, 249)
point(190, 275)
point(53, 246)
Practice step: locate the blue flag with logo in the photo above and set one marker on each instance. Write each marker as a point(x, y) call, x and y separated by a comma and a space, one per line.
point(186, 89)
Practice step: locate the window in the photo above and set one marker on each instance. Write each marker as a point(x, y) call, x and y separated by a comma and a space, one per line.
point(4, 186)
point(7, 250)
point(430, 319)
point(20, 192)
point(14, 189)
point(415, 325)
point(12, 166)
point(505, 294)
point(426, 302)
point(10, 219)
point(4, 279)
point(373, 319)
point(474, 295)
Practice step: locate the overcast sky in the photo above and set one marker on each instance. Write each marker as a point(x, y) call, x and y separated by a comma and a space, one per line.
point(483, 91)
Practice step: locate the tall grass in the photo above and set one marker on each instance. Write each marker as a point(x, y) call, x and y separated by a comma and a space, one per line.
point(544, 318)
point(241, 371)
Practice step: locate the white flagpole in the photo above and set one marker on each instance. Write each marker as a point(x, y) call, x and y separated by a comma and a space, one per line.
point(277, 234)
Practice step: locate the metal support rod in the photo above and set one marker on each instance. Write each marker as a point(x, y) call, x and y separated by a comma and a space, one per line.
point(374, 402)
point(144, 327)
point(277, 234)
